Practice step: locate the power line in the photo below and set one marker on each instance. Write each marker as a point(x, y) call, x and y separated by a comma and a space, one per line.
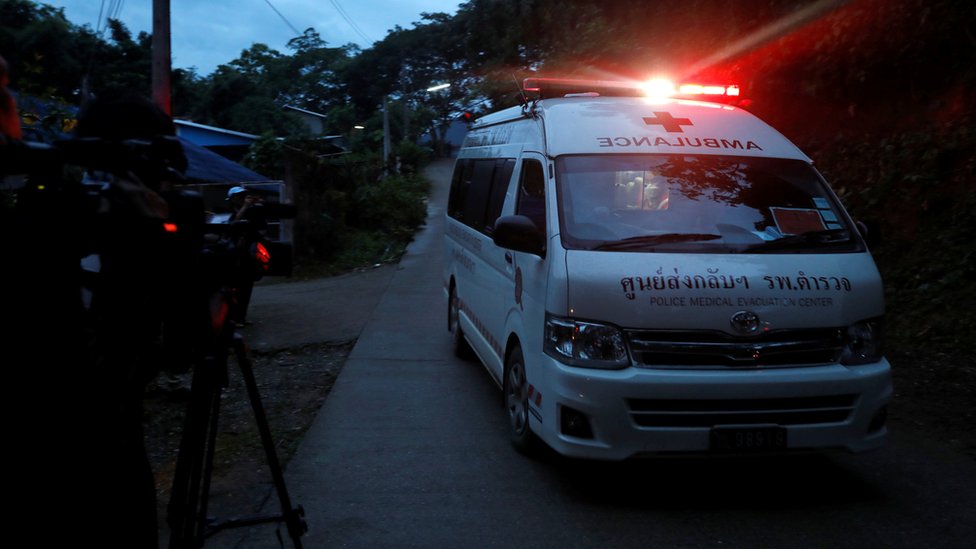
point(98, 22)
point(117, 14)
point(287, 22)
point(114, 11)
point(349, 20)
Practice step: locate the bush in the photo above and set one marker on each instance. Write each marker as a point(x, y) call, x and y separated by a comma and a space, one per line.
point(349, 216)
point(917, 185)
point(266, 157)
point(395, 205)
point(412, 157)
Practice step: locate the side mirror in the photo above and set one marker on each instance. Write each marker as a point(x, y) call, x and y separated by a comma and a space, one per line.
point(519, 233)
point(870, 232)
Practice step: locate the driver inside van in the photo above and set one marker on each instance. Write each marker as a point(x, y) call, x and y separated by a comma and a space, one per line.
point(590, 201)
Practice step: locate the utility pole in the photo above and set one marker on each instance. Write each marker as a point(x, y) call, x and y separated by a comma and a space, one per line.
point(161, 59)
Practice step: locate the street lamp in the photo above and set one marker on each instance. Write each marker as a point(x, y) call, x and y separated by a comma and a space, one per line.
point(386, 120)
point(434, 139)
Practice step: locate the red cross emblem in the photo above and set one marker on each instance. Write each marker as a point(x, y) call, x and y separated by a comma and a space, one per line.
point(670, 123)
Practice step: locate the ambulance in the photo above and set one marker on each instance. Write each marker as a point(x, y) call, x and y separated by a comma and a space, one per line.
point(647, 273)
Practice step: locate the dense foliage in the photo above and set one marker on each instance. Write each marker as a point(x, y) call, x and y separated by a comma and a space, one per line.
point(878, 92)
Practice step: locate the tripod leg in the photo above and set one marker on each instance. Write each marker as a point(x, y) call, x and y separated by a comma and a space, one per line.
point(201, 526)
point(292, 516)
point(184, 516)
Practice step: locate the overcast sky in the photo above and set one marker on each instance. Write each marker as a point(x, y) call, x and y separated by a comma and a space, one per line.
point(207, 33)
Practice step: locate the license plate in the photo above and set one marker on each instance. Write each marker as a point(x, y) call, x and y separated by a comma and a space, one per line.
point(748, 439)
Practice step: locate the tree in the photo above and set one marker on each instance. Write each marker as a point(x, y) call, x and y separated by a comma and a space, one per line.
point(267, 157)
point(240, 95)
point(311, 74)
point(50, 57)
point(402, 66)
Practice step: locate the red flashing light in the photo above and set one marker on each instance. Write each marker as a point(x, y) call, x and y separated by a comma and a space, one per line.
point(170, 227)
point(219, 312)
point(557, 87)
point(262, 255)
point(709, 89)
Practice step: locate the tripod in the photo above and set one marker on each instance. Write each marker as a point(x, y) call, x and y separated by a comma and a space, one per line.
point(187, 510)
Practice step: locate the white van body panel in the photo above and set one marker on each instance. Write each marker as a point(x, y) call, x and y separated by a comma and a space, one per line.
point(688, 291)
point(605, 396)
point(477, 294)
point(619, 125)
point(650, 405)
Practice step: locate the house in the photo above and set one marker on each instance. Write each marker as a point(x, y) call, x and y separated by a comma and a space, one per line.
point(453, 138)
point(227, 143)
point(314, 121)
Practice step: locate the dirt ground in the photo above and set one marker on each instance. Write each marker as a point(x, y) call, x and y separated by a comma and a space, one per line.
point(293, 385)
point(935, 398)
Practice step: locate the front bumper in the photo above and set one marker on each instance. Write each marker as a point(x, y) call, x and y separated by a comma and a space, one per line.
point(641, 411)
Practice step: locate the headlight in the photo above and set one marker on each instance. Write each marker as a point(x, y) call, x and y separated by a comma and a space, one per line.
point(586, 344)
point(864, 343)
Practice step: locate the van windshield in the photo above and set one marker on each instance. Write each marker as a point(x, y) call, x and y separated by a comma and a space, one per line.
point(687, 203)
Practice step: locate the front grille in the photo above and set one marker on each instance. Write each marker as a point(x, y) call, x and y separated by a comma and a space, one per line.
point(707, 349)
point(755, 411)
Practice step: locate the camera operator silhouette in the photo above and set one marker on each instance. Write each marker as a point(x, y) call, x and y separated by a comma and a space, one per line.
point(247, 206)
point(80, 473)
point(242, 201)
point(80, 345)
point(134, 289)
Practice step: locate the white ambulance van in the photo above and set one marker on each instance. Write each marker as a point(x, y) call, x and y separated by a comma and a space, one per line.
point(655, 275)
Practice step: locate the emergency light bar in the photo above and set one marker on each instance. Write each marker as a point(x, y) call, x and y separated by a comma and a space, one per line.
point(559, 87)
point(700, 89)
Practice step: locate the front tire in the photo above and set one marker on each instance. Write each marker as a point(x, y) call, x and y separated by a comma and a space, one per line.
point(516, 389)
point(458, 344)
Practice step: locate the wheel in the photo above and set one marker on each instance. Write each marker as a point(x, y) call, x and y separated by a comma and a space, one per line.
point(458, 344)
point(516, 390)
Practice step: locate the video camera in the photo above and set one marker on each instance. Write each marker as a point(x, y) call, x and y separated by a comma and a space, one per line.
point(122, 201)
point(81, 344)
point(268, 257)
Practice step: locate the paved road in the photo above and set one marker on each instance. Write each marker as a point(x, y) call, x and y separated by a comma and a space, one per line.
point(411, 450)
point(333, 309)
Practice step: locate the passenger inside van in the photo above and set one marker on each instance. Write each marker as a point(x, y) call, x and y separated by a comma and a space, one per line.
point(656, 194)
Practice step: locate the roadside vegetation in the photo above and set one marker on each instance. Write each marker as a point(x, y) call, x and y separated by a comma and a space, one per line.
point(349, 214)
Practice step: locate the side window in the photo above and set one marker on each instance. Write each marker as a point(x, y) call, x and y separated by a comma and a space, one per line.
point(478, 191)
point(532, 193)
point(476, 201)
point(499, 186)
point(459, 189)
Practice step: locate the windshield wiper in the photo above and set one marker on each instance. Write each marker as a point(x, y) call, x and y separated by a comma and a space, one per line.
point(829, 236)
point(650, 240)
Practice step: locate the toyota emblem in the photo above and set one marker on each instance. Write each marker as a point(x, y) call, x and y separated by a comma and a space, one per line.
point(745, 322)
